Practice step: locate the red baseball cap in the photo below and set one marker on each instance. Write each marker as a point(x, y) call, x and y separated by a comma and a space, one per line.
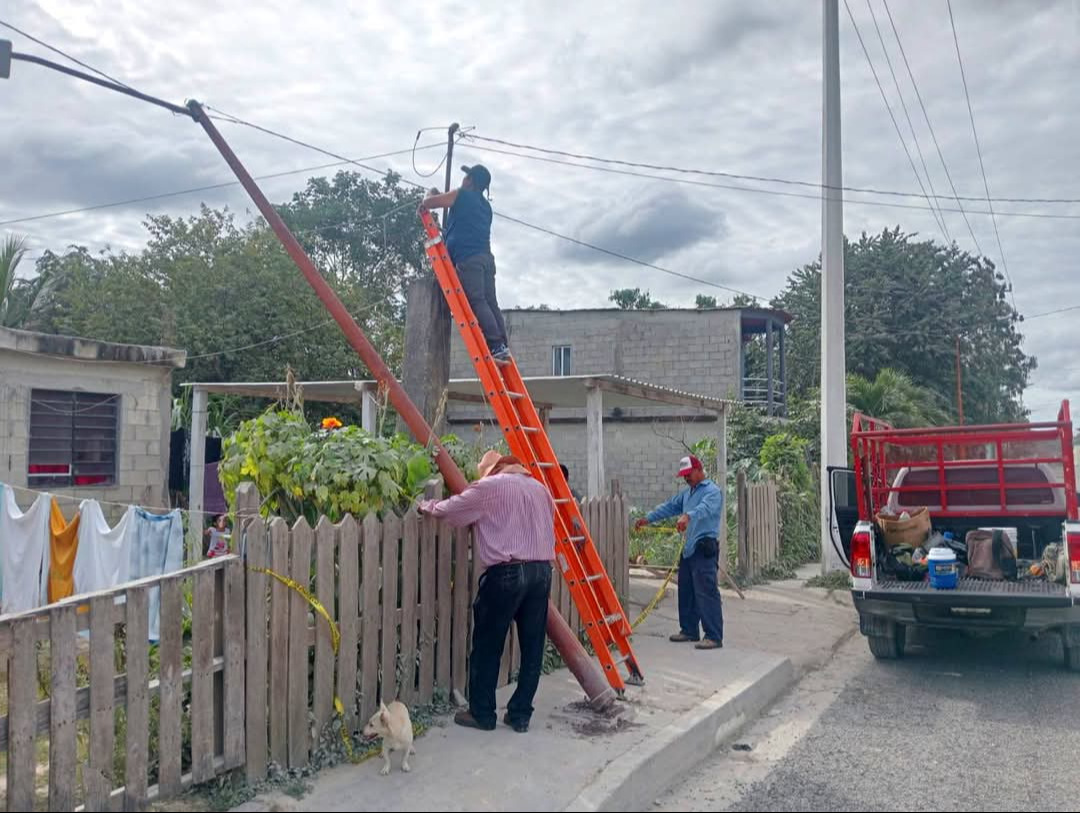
point(689, 464)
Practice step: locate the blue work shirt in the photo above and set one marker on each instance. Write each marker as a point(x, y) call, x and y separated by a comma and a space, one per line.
point(703, 503)
point(468, 226)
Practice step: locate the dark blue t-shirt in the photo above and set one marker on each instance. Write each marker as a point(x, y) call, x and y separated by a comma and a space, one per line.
point(468, 226)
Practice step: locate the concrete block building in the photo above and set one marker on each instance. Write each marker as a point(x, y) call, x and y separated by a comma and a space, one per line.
point(85, 418)
point(723, 353)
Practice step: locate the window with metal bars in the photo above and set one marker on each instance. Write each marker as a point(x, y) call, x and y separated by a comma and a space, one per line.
point(73, 438)
point(560, 360)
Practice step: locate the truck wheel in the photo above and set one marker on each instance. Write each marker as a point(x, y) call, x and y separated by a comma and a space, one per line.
point(888, 647)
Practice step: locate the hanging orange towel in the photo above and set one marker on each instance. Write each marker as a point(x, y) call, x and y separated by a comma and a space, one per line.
point(63, 542)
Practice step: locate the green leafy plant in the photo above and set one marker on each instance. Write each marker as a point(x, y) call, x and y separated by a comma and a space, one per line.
point(302, 471)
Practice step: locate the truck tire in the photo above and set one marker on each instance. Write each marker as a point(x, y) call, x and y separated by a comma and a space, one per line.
point(888, 647)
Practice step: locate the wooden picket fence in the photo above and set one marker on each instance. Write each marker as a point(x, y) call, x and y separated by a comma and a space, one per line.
point(245, 673)
point(758, 526)
point(400, 591)
point(77, 728)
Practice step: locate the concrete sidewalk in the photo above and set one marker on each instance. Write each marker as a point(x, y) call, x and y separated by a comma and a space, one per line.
point(572, 759)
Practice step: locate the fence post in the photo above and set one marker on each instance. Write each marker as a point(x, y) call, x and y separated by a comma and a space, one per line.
point(254, 545)
point(742, 550)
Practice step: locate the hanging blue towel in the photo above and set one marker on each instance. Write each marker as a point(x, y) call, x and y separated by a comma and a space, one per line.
point(157, 548)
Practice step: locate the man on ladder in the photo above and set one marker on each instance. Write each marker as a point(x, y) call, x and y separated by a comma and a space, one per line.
point(468, 239)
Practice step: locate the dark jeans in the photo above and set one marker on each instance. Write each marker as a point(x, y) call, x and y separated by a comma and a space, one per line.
point(699, 595)
point(515, 592)
point(477, 275)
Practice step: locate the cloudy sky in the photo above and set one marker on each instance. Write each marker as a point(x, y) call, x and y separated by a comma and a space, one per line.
point(725, 86)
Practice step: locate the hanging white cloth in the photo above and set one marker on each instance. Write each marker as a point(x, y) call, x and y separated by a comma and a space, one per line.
point(103, 559)
point(24, 552)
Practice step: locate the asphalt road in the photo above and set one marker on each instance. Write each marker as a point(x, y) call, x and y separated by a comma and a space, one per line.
point(959, 724)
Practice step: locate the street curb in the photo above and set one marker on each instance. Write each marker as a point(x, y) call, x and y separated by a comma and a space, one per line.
point(633, 780)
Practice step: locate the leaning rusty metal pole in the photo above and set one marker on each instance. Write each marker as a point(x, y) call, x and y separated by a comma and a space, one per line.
point(573, 653)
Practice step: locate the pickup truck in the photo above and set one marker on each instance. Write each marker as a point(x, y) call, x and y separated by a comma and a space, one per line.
point(1016, 477)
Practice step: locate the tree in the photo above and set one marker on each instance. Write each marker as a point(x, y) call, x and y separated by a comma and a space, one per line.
point(633, 299)
point(209, 284)
point(362, 234)
point(11, 253)
point(906, 302)
point(892, 396)
point(702, 302)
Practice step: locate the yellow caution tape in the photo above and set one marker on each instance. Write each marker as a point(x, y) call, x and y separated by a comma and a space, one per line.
point(655, 599)
point(335, 641)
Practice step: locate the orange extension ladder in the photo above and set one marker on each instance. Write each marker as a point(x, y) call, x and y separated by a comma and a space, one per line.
point(606, 623)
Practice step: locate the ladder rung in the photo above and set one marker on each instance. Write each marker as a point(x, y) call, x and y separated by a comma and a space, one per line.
point(611, 619)
point(515, 395)
point(562, 500)
point(577, 539)
point(544, 465)
point(529, 429)
point(595, 577)
point(621, 660)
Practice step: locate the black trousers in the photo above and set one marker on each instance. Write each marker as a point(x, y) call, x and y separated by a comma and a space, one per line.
point(477, 275)
point(517, 593)
point(699, 593)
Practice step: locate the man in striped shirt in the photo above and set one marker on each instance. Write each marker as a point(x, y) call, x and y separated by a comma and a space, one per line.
point(514, 541)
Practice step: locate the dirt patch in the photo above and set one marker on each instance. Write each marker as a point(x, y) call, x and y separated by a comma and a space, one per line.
point(585, 721)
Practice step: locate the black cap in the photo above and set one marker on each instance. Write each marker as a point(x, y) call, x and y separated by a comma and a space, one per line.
point(481, 178)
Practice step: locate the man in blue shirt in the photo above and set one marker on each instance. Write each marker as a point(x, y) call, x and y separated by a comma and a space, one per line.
point(468, 241)
point(699, 509)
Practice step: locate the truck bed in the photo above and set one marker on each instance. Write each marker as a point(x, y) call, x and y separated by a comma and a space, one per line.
point(973, 593)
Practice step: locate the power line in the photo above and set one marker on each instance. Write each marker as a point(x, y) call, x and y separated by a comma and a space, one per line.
point(627, 257)
point(601, 249)
point(903, 142)
point(1052, 313)
point(356, 162)
point(65, 54)
point(907, 115)
point(743, 177)
point(777, 192)
point(978, 149)
point(211, 187)
point(930, 127)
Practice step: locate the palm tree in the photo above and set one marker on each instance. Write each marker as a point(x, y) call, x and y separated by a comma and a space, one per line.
point(12, 250)
point(23, 301)
point(892, 396)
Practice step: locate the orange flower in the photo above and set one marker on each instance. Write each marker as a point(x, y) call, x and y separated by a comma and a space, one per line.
point(331, 423)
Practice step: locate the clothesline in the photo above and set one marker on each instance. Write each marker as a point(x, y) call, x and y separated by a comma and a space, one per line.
point(149, 508)
point(45, 557)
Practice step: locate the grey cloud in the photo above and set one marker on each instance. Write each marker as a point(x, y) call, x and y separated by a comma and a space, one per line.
point(658, 222)
point(724, 85)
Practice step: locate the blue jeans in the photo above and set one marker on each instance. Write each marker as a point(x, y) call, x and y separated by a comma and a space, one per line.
point(518, 593)
point(477, 275)
point(699, 595)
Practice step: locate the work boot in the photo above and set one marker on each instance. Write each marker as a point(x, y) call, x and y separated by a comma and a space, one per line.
point(709, 643)
point(681, 638)
point(501, 353)
point(517, 725)
point(465, 719)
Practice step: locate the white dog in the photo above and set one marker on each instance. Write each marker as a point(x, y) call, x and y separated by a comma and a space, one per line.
point(392, 723)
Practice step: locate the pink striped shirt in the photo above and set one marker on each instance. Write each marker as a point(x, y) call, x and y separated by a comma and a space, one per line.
point(514, 517)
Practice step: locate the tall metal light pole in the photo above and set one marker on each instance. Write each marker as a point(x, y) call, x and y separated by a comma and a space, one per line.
point(833, 363)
